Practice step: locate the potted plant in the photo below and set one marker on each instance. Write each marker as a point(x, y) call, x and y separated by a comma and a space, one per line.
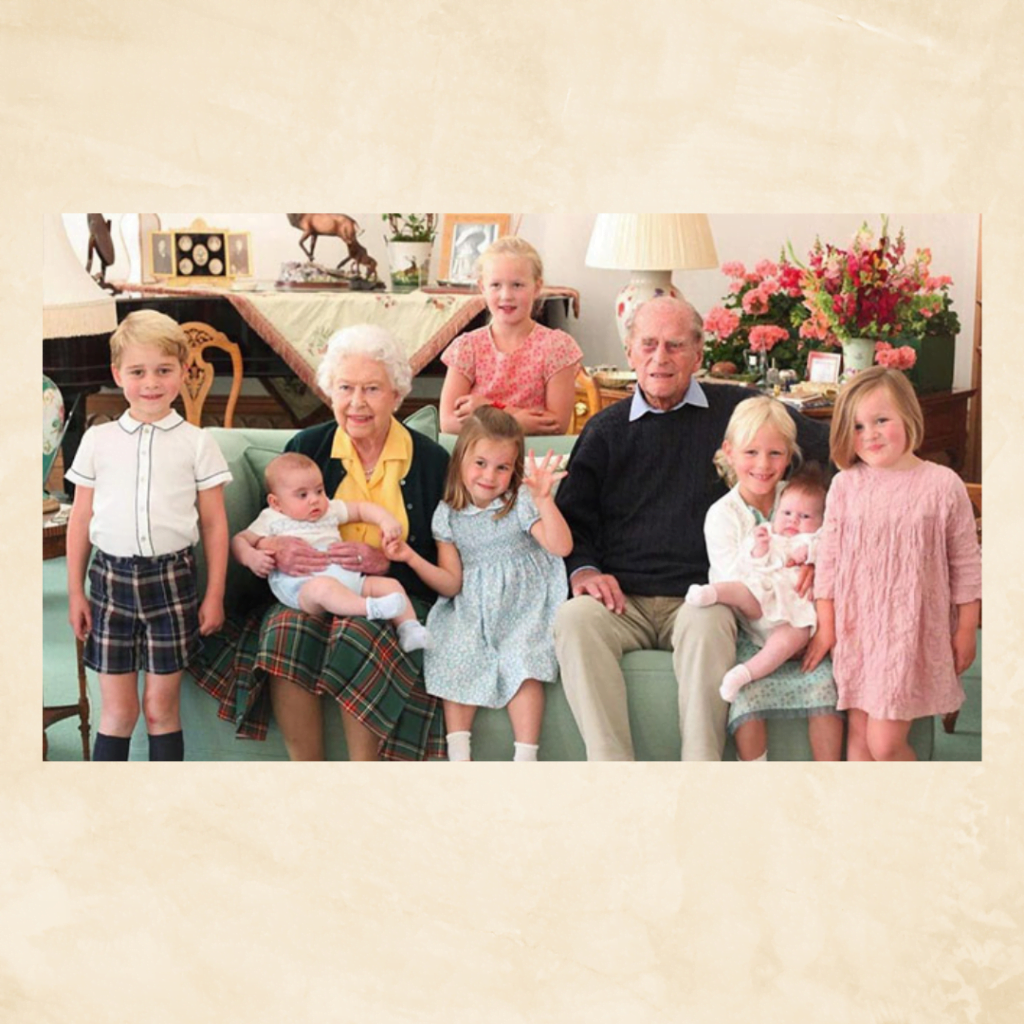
point(876, 301)
point(761, 316)
point(410, 241)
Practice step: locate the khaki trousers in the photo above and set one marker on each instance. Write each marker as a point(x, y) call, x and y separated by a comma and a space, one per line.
point(590, 642)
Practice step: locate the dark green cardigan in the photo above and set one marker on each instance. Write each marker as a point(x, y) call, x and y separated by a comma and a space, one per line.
point(422, 489)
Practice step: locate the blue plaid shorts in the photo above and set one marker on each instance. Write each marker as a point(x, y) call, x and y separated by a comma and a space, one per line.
point(145, 613)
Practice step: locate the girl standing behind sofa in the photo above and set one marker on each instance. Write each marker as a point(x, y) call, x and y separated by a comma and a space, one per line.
point(500, 544)
point(513, 363)
point(898, 585)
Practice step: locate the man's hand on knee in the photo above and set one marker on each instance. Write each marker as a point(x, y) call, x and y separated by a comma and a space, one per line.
point(601, 586)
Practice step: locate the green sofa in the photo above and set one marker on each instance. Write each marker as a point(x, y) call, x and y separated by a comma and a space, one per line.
point(652, 687)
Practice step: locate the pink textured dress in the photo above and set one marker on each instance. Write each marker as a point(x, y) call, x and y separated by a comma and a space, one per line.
point(898, 551)
point(519, 378)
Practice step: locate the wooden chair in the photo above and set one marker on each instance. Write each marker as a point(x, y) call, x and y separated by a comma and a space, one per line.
point(974, 493)
point(588, 401)
point(199, 373)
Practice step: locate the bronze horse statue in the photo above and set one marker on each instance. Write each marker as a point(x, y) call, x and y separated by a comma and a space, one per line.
point(340, 225)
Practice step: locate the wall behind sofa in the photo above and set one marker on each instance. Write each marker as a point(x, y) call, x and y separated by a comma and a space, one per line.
point(562, 240)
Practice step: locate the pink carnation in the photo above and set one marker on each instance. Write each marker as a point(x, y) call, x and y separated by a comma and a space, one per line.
point(902, 358)
point(764, 339)
point(766, 268)
point(769, 286)
point(721, 322)
point(755, 302)
point(734, 269)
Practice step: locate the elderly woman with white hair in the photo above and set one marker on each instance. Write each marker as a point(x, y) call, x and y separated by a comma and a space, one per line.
point(365, 454)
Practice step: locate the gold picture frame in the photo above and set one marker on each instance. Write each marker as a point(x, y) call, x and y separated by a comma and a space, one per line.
point(200, 255)
point(465, 236)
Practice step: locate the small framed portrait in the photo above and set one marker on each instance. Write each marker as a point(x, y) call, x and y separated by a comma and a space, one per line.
point(823, 367)
point(161, 247)
point(466, 236)
point(239, 254)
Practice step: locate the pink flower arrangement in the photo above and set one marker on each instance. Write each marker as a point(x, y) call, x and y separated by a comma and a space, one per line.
point(902, 358)
point(765, 338)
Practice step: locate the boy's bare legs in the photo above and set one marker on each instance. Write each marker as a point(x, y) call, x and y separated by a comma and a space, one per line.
point(161, 703)
point(119, 710)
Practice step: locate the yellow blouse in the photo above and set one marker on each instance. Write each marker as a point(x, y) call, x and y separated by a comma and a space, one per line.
point(384, 486)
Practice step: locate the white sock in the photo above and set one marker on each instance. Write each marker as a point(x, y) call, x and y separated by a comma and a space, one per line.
point(733, 681)
point(458, 746)
point(702, 595)
point(763, 757)
point(413, 636)
point(386, 607)
point(526, 751)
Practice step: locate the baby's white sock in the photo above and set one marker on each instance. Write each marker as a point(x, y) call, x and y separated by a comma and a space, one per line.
point(702, 595)
point(733, 681)
point(763, 757)
point(458, 746)
point(412, 636)
point(526, 751)
point(386, 607)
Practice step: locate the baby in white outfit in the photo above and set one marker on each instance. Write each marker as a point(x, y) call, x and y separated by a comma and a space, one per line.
point(299, 507)
point(772, 614)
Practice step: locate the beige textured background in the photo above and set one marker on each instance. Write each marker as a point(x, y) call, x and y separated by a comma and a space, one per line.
point(600, 893)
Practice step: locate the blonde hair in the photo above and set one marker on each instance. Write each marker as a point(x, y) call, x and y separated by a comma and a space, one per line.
point(286, 463)
point(152, 329)
point(518, 248)
point(486, 424)
point(843, 435)
point(747, 419)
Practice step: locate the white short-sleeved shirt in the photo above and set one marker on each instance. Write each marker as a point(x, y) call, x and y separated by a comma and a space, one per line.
point(145, 478)
point(320, 533)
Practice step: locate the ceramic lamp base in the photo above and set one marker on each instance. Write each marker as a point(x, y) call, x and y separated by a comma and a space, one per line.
point(643, 285)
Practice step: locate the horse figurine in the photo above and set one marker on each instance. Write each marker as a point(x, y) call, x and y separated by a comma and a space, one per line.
point(340, 225)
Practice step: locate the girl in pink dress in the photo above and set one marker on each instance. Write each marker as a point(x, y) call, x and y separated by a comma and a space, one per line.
point(513, 363)
point(898, 584)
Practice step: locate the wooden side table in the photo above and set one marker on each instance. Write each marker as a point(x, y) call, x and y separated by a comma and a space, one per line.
point(55, 534)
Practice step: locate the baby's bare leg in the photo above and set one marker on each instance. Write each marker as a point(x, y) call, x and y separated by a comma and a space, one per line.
point(381, 586)
point(325, 594)
point(783, 642)
point(731, 594)
point(412, 636)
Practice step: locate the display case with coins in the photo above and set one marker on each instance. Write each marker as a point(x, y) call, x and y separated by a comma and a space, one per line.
point(200, 255)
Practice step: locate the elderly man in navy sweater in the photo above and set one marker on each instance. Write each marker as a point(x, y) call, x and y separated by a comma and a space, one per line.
point(641, 479)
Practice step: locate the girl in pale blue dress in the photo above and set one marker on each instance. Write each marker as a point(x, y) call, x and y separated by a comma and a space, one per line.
point(500, 545)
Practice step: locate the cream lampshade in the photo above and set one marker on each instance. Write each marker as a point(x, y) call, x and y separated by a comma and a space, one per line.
point(651, 245)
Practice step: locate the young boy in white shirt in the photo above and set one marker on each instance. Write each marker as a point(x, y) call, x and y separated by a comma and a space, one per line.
point(146, 487)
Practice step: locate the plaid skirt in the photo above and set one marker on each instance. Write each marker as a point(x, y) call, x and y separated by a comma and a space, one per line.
point(353, 660)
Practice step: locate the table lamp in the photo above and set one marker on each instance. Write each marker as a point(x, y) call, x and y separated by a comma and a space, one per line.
point(651, 245)
point(78, 319)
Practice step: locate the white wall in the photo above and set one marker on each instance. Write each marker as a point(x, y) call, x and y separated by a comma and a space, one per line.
point(562, 240)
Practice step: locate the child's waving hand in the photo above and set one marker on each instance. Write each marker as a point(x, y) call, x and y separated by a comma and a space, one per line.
point(541, 478)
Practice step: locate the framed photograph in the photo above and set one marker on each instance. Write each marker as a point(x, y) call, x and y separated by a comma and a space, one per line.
point(239, 254)
point(162, 253)
point(465, 237)
point(823, 367)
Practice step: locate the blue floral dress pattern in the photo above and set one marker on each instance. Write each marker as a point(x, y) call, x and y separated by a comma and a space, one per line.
point(497, 631)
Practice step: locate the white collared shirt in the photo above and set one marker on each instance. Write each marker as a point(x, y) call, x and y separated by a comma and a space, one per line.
point(145, 478)
point(639, 406)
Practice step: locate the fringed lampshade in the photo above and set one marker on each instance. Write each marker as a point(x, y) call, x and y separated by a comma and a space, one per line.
point(651, 245)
